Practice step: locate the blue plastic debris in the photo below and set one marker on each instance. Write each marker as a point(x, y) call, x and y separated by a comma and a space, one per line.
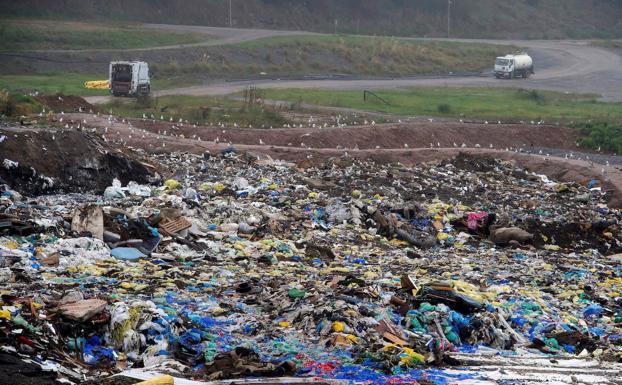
point(126, 253)
point(593, 311)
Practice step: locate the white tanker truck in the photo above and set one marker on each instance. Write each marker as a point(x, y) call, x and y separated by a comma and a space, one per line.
point(512, 66)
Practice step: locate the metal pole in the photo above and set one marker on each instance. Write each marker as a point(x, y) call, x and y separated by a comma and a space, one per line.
point(230, 17)
point(448, 18)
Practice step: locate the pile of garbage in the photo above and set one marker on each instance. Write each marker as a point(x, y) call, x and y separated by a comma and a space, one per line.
point(237, 267)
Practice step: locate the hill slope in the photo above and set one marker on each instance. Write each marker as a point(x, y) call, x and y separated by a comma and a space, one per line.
point(471, 18)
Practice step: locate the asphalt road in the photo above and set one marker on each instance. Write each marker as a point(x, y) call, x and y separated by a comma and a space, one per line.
point(564, 66)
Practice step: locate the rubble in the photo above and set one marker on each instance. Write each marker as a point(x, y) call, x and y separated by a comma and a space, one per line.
point(353, 270)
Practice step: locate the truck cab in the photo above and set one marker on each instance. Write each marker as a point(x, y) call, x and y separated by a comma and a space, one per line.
point(503, 65)
point(129, 78)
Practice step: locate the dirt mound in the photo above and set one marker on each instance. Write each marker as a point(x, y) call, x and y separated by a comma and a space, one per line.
point(42, 161)
point(411, 135)
point(65, 103)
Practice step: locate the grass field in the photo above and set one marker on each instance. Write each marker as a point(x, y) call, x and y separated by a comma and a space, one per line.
point(67, 83)
point(348, 55)
point(201, 110)
point(468, 103)
point(24, 34)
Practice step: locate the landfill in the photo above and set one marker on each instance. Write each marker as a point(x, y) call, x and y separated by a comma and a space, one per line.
point(235, 266)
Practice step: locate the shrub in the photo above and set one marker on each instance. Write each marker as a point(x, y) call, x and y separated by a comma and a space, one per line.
point(533, 95)
point(13, 105)
point(604, 135)
point(145, 101)
point(443, 108)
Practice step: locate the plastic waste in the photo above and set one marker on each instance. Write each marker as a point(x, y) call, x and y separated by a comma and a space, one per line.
point(115, 191)
point(136, 189)
point(126, 253)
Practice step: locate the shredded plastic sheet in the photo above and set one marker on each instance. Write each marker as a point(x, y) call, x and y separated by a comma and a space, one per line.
point(97, 84)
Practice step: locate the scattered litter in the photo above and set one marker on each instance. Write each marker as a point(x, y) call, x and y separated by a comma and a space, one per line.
point(343, 273)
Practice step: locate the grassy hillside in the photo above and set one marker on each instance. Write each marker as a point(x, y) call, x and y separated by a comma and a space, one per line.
point(471, 18)
point(21, 34)
point(323, 55)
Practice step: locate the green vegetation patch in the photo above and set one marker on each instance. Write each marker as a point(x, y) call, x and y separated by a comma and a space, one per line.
point(67, 83)
point(508, 105)
point(613, 44)
point(601, 135)
point(347, 55)
point(15, 104)
point(200, 110)
point(17, 35)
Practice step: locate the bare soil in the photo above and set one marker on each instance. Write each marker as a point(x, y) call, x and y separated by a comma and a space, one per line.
point(411, 134)
point(65, 103)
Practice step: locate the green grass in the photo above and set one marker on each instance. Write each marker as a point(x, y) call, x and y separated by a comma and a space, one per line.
point(354, 55)
point(469, 103)
point(14, 104)
point(67, 83)
point(200, 110)
point(608, 43)
point(606, 136)
point(17, 35)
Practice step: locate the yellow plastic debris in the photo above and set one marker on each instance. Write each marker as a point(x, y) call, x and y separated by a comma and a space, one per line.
point(552, 247)
point(5, 314)
point(284, 324)
point(313, 195)
point(442, 236)
point(338, 326)
point(172, 184)
point(97, 85)
point(219, 187)
point(160, 380)
point(352, 338)
point(409, 356)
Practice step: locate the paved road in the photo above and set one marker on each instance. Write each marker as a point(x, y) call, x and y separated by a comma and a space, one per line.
point(565, 66)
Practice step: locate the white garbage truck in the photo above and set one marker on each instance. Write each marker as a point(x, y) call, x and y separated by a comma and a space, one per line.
point(513, 66)
point(129, 78)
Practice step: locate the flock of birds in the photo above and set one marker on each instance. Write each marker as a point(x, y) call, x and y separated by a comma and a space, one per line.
point(118, 124)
